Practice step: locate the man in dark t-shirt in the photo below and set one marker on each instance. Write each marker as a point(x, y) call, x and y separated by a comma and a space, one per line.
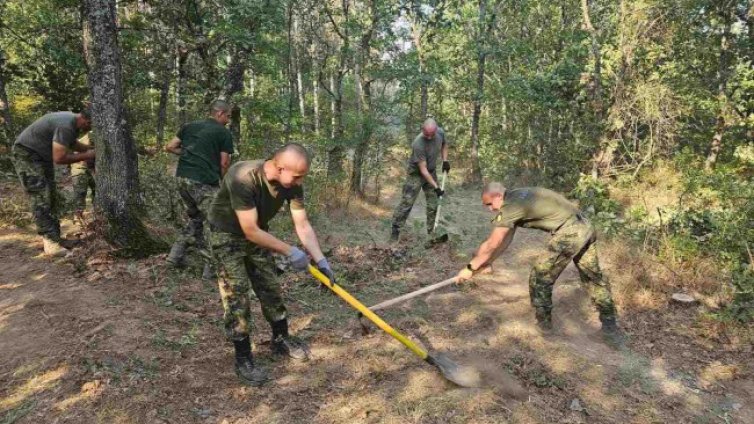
point(49, 141)
point(250, 195)
point(204, 148)
point(426, 149)
point(573, 239)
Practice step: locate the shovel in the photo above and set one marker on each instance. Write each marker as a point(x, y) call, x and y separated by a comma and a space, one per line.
point(458, 374)
point(444, 237)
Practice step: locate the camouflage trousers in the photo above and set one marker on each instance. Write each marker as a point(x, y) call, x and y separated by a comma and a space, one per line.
point(83, 181)
point(414, 184)
point(196, 198)
point(574, 241)
point(243, 266)
point(38, 180)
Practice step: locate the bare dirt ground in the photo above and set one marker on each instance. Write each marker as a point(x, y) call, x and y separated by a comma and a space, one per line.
point(89, 339)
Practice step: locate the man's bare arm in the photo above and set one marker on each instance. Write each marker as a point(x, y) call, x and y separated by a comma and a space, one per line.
point(502, 248)
point(81, 147)
point(444, 152)
point(493, 247)
point(224, 163)
point(306, 233)
point(61, 155)
point(249, 221)
point(174, 146)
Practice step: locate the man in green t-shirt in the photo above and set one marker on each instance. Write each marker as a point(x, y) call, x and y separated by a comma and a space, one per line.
point(426, 148)
point(241, 247)
point(49, 141)
point(204, 148)
point(573, 239)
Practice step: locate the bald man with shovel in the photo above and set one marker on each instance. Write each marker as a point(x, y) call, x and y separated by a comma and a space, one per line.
point(426, 149)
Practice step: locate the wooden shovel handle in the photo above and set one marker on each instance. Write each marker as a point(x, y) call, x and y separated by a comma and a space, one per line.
point(413, 294)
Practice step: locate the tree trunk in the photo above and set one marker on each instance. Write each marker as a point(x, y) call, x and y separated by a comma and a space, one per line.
point(162, 112)
point(299, 74)
point(423, 82)
point(233, 85)
point(180, 88)
point(595, 88)
point(5, 116)
point(315, 96)
point(117, 177)
point(476, 169)
point(722, 83)
point(290, 73)
point(363, 101)
point(602, 158)
point(335, 156)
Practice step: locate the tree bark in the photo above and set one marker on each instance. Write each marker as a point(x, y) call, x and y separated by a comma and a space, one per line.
point(117, 176)
point(363, 101)
point(602, 158)
point(234, 78)
point(180, 88)
point(5, 115)
point(722, 84)
point(299, 74)
point(476, 169)
point(423, 82)
point(315, 95)
point(595, 89)
point(162, 110)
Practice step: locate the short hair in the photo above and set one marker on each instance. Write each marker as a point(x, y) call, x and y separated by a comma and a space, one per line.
point(219, 106)
point(86, 112)
point(296, 148)
point(429, 123)
point(493, 187)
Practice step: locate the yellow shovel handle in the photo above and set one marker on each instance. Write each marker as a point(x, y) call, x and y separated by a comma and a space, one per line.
point(367, 313)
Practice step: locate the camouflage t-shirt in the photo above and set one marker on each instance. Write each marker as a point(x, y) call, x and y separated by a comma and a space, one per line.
point(246, 187)
point(428, 150)
point(534, 207)
point(58, 127)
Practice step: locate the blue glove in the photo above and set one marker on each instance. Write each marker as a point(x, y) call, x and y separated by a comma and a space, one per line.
point(324, 267)
point(298, 259)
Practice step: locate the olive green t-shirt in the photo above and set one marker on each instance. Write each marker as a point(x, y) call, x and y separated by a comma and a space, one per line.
point(534, 207)
point(58, 127)
point(245, 187)
point(201, 144)
point(428, 150)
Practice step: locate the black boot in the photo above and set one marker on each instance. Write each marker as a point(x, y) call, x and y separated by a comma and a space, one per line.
point(176, 257)
point(249, 374)
point(285, 344)
point(612, 333)
point(544, 320)
point(395, 234)
point(245, 369)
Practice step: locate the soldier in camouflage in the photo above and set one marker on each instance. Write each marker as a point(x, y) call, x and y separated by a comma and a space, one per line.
point(204, 148)
point(426, 148)
point(573, 239)
point(250, 195)
point(50, 140)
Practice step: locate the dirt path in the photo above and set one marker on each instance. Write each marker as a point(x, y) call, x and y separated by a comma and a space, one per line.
point(93, 340)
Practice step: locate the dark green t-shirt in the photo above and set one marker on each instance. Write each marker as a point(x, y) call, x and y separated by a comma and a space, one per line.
point(58, 127)
point(428, 150)
point(201, 144)
point(245, 187)
point(534, 207)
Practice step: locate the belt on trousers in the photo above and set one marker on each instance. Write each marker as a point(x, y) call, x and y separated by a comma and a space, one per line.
point(577, 217)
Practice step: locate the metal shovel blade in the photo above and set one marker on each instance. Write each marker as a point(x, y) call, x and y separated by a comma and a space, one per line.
point(462, 375)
